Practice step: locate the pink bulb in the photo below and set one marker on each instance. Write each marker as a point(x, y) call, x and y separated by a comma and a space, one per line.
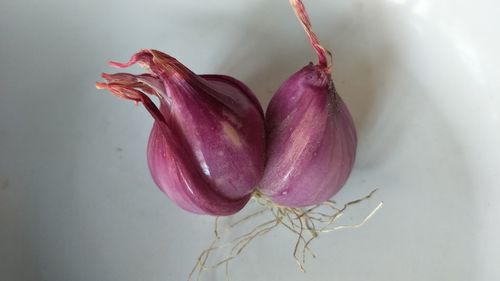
point(206, 148)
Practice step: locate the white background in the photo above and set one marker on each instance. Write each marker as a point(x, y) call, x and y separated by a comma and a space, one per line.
point(421, 80)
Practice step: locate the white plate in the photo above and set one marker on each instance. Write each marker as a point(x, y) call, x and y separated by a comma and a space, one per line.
point(420, 77)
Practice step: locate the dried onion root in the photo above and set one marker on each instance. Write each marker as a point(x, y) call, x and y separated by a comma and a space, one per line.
point(306, 223)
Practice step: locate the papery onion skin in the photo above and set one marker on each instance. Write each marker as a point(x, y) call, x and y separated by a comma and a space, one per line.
point(311, 138)
point(206, 148)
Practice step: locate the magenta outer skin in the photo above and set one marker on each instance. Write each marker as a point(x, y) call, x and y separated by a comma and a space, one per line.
point(311, 140)
point(206, 150)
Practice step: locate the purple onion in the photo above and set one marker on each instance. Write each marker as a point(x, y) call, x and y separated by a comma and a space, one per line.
point(206, 148)
point(311, 138)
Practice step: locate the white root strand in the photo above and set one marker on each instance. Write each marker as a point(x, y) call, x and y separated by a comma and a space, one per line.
point(306, 224)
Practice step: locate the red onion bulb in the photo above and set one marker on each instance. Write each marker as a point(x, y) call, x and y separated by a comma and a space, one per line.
point(206, 148)
point(311, 138)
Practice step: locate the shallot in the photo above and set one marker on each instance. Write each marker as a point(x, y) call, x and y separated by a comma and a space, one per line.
point(311, 138)
point(206, 127)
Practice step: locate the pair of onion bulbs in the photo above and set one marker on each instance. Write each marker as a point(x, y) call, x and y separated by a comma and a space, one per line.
point(211, 145)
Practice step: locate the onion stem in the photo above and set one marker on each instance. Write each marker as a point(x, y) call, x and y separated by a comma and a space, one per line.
point(301, 13)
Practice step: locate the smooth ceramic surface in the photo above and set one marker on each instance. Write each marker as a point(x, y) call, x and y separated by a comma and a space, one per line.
point(420, 78)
